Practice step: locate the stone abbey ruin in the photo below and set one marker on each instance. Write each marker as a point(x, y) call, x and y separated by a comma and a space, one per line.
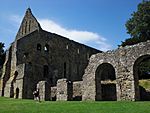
point(63, 69)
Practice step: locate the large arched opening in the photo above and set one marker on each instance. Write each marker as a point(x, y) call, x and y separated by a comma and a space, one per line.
point(141, 71)
point(105, 82)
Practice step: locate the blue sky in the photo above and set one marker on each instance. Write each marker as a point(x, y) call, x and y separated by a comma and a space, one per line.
point(97, 23)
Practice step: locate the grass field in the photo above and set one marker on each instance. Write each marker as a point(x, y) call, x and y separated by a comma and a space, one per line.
point(8, 105)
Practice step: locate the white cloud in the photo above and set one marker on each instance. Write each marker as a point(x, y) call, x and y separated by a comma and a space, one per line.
point(86, 37)
point(16, 19)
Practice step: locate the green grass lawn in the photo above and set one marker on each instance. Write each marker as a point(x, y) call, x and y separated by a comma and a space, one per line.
point(8, 105)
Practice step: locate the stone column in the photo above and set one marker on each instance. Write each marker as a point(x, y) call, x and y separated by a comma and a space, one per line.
point(53, 93)
point(44, 90)
point(125, 84)
point(64, 90)
point(77, 90)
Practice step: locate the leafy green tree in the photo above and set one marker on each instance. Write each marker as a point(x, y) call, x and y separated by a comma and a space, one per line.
point(2, 55)
point(138, 26)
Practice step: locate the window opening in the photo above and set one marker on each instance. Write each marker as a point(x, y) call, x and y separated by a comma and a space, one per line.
point(46, 48)
point(45, 73)
point(39, 47)
point(65, 70)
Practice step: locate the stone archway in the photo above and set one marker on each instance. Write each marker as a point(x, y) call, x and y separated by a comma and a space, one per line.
point(124, 60)
point(95, 88)
point(142, 92)
point(105, 82)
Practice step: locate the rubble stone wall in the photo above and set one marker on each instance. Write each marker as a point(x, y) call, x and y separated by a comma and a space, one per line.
point(123, 60)
point(77, 90)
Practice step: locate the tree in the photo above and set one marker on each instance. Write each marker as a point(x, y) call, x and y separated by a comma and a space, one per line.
point(138, 26)
point(2, 55)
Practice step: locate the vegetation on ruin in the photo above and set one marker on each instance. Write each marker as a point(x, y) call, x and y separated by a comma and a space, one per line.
point(138, 26)
point(145, 84)
point(8, 105)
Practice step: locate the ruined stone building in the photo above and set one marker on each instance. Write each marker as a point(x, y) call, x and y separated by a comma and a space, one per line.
point(113, 75)
point(66, 70)
point(37, 55)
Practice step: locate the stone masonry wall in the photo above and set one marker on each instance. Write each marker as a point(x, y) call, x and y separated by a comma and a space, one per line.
point(65, 58)
point(6, 71)
point(38, 55)
point(53, 93)
point(123, 60)
point(44, 90)
point(18, 81)
point(47, 56)
point(64, 90)
point(77, 90)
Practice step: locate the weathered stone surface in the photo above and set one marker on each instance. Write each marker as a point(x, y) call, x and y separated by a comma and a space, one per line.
point(123, 61)
point(44, 90)
point(77, 90)
point(29, 24)
point(46, 56)
point(64, 89)
point(37, 55)
point(53, 93)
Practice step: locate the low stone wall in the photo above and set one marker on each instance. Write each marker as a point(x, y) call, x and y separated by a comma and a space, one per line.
point(53, 93)
point(44, 90)
point(64, 90)
point(77, 90)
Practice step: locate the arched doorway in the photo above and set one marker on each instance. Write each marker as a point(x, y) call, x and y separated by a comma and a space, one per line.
point(105, 82)
point(17, 93)
point(141, 72)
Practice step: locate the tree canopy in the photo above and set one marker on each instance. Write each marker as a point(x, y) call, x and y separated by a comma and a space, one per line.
point(2, 54)
point(138, 26)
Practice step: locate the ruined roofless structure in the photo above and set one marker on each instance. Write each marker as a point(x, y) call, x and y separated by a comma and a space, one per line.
point(37, 55)
point(65, 70)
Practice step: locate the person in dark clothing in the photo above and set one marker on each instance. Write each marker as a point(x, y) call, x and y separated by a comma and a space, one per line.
point(36, 95)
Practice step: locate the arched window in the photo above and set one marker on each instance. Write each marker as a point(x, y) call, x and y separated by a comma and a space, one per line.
point(25, 28)
point(65, 69)
point(29, 25)
point(78, 51)
point(45, 73)
point(88, 56)
point(22, 30)
point(46, 48)
point(39, 47)
point(67, 47)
